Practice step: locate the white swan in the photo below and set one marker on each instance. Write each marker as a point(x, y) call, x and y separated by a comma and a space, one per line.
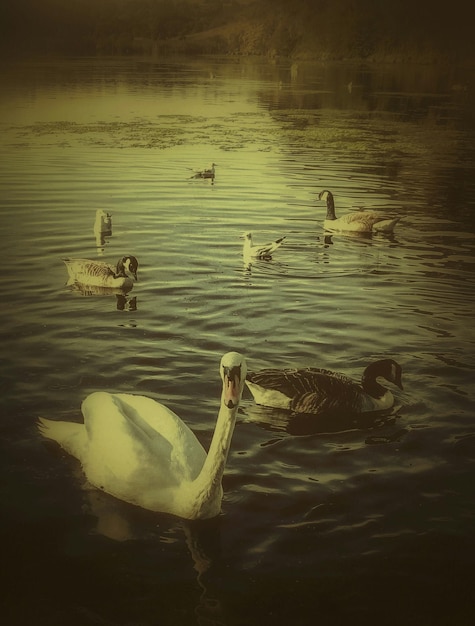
point(100, 274)
point(261, 251)
point(206, 173)
point(357, 222)
point(314, 390)
point(141, 452)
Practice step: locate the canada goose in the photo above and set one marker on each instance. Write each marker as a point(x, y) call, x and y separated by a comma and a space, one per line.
point(139, 451)
point(359, 221)
point(100, 274)
point(314, 390)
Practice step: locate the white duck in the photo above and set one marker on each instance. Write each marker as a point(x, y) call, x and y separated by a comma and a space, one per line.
point(261, 251)
point(357, 222)
point(315, 391)
point(139, 451)
point(100, 274)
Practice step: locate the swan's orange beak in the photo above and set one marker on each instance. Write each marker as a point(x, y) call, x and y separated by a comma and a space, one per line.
point(231, 386)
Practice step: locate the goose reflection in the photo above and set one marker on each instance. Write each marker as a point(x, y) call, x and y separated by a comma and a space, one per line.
point(124, 302)
point(302, 424)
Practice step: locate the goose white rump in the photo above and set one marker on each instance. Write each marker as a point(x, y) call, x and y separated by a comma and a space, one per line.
point(139, 451)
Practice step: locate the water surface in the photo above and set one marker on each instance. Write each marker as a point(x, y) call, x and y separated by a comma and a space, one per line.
point(369, 521)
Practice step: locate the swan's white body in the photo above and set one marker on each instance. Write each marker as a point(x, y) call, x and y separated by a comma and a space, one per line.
point(139, 451)
point(100, 274)
point(260, 251)
point(357, 222)
point(315, 391)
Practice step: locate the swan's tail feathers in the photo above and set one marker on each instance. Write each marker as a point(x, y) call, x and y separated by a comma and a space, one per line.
point(386, 226)
point(70, 435)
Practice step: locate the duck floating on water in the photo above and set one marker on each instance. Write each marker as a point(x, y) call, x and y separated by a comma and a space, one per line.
point(206, 173)
point(357, 222)
point(316, 391)
point(103, 223)
point(102, 227)
point(259, 251)
point(100, 274)
point(140, 451)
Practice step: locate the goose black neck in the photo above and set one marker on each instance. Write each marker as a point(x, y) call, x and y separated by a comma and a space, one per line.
point(370, 384)
point(330, 205)
point(120, 269)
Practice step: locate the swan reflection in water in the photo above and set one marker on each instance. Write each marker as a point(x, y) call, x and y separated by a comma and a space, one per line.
point(124, 302)
point(121, 522)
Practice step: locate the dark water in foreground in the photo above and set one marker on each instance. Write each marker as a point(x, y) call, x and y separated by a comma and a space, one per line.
point(372, 524)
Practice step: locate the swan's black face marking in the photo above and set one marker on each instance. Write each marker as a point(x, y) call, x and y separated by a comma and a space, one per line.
point(232, 383)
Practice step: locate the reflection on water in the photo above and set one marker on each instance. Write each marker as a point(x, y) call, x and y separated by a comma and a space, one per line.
point(304, 424)
point(340, 518)
point(202, 538)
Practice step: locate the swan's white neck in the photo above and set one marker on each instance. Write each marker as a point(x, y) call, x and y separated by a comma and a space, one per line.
point(207, 486)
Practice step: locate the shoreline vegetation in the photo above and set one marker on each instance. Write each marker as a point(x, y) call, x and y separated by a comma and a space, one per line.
point(426, 31)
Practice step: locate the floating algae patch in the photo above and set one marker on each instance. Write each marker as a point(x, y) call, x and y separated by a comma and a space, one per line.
point(138, 134)
point(230, 132)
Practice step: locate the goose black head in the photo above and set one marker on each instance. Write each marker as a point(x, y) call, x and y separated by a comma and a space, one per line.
point(131, 264)
point(386, 368)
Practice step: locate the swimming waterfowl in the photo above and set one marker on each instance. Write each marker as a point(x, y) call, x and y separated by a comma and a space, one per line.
point(315, 391)
point(102, 227)
point(140, 451)
point(359, 221)
point(206, 173)
point(261, 251)
point(100, 274)
point(103, 223)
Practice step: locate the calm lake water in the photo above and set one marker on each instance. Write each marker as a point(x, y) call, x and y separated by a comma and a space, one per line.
point(373, 524)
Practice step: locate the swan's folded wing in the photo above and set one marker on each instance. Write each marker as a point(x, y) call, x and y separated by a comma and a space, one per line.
point(162, 432)
point(125, 448)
